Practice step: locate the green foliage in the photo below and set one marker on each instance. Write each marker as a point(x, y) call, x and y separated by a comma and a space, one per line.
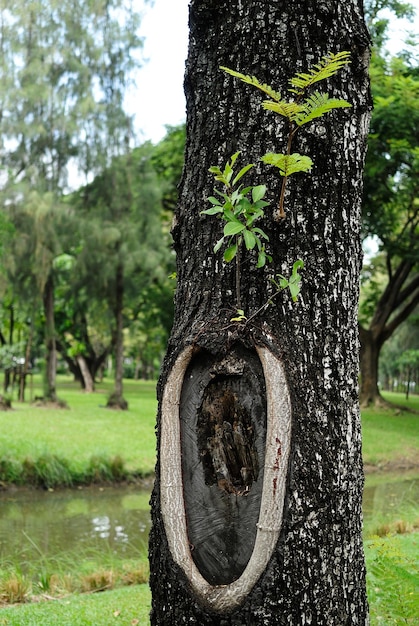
point(234, 205)
point(240, 208)
point(167, 159)
point(327, 67)
point(317, 105)
point(293, 283)
point(298, 112)
point(391, 205)
point(288, 163)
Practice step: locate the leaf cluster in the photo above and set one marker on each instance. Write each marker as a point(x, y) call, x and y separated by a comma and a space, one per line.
point(240, 207)
point(299, 110)
point(288, 163)
point(293, 283)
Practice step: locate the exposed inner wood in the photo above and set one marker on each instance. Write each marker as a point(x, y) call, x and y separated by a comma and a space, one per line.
point(226, 438)
point(223, 440)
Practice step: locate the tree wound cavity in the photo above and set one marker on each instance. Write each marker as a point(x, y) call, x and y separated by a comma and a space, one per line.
point(224, 449)
point(223, 435)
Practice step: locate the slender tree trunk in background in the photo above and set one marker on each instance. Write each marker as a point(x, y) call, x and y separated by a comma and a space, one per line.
point(88, 383)
point(50, 393)
point(25, 368)
point(242, 533)
point(398, 301)
point(117, 400)
point(369, 355)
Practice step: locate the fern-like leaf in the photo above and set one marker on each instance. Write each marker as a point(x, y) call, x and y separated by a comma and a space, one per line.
point(328, 66)
point(317, 105)
point(290, 110)
point(252, 80)
point(288, 163)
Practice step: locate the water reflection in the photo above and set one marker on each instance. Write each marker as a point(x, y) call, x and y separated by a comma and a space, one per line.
point(389, 497)
point(39, 524)
point(36, 524)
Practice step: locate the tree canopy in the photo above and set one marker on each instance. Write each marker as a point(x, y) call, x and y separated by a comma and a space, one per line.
point(390, 210)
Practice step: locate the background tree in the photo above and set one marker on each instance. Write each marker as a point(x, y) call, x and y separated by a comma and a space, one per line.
point(390, 213)
point(167, 160)
point(316, 572)
point(406, 337)
point(122, 240)
point(65, 69)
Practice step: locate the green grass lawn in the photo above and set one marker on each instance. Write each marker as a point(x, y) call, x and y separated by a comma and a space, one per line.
point(127, 606)
point(389, 435)
point(86, 429)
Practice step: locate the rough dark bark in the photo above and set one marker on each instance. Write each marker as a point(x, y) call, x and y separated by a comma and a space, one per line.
point(314, 571)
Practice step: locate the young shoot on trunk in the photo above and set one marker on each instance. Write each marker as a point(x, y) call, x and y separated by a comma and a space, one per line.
point(298, 112)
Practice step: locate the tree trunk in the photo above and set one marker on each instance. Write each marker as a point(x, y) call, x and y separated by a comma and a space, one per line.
point(88, 383)
point(116, 400)
point(369, 355)
point(50, 393)
point(25, 368)
point(257, 501)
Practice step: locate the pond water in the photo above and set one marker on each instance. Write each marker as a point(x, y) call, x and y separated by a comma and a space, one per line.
point(42, 524)
point(391, 497)
point(47, 524)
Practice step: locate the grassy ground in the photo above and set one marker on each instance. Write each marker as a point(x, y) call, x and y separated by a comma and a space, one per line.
point(80, 439)
point(87, 430)
point(390, 436)
point(127, 606)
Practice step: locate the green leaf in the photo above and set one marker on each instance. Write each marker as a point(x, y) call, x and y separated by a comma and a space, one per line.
point(212, 211)
point(298, 264)
point(252, 80)
point(261, 259)
point(233, 228)
point(288, 163)
point(214, 169)
point(229, 215)
point(240, 316)
point(295, 289)
point(218, 244)
point(258, 192)
point(261, 233)
point(317, 105)
point(249, 239)
point(214, 200)
point(242, 172)
point(328, 66)
point(230, 253)
point(253, 216)
point(287, 109)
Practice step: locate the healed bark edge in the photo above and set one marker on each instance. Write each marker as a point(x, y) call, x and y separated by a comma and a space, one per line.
point(226, 597)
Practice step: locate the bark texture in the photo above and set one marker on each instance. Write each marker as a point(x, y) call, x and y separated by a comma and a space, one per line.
point(316, 573)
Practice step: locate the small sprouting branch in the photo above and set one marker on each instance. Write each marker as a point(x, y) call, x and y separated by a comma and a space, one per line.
point(240, 207)
point(293, 283)
point(298, 112)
